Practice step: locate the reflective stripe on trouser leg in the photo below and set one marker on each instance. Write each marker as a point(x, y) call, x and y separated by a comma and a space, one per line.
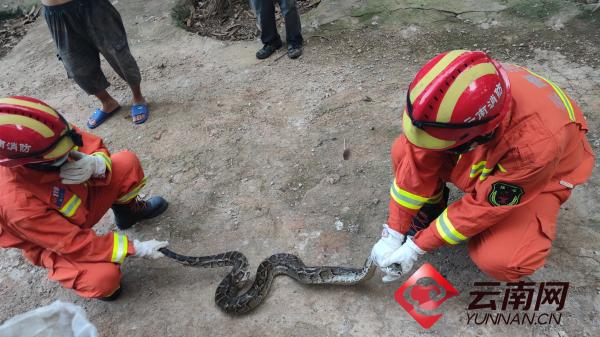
point(131, 194)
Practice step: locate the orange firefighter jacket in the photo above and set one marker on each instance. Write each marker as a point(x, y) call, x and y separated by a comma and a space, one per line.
point(36, 207)
point(540, 147)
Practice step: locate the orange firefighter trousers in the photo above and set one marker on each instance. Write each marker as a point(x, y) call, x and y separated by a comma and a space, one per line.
point(100, 279)
point(519, 245)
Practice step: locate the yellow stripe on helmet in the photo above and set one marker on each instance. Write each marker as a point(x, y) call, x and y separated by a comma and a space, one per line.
point(62, 148)
point(41, 128)
point(421, 138)
point(458, 87)
point(442, 64)
point(28, 104)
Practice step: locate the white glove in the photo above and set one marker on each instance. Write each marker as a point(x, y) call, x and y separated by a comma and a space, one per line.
point(390, 241)
point(82, 169)
point(149, 249)
point(405, 256)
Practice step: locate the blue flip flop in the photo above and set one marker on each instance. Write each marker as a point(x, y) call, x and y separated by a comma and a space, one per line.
point(140, 110)
point(100, 117)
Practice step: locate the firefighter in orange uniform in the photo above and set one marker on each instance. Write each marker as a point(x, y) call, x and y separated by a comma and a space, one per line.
point(57, 182)
point(511, 140)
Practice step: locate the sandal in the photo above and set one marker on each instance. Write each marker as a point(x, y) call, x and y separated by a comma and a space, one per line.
point(140, 110)
point(99, 117)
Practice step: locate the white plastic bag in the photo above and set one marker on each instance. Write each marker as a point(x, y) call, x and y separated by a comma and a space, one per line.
point(58, 319)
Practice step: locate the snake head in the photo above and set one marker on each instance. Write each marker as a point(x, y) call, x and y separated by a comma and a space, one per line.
point(241, 277)
point(392, 273)
point(393, 269)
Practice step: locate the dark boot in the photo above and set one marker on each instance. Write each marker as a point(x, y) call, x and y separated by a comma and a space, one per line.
point(428, 213)
point(138, 209)
point(112, 297)
point(267, 50)
point(294, 52)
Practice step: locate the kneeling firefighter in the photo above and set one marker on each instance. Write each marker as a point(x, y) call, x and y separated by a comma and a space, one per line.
point(511, 140)
point(57, 183)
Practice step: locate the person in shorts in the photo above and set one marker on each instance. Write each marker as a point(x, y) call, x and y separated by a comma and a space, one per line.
point(84, 29)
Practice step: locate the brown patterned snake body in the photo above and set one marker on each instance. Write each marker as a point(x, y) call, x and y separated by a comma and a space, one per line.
point(230, 295)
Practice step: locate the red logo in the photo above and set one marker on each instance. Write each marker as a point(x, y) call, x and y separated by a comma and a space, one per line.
point(423, 293)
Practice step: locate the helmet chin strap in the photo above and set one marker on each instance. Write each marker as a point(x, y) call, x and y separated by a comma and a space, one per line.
point(49, 166)
point(472, 144)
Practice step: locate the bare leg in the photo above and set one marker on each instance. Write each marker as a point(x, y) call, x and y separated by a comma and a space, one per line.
point(138, 98)
point(108, 103)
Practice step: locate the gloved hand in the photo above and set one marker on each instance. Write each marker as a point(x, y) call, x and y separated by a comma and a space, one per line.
point(82, 169)
point(405, 256)
point(149, 249)
point(390, 241)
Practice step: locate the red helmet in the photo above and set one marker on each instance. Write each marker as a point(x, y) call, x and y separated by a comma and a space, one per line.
point(456, 97)
point(33, 132)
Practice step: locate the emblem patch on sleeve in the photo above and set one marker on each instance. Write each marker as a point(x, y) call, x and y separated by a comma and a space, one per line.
point(504, 194)
point(58, 196)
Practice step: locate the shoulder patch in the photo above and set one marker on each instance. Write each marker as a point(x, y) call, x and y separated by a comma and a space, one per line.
point(504, 194)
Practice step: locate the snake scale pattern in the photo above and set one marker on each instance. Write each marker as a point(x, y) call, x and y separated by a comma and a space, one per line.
point(230, 295)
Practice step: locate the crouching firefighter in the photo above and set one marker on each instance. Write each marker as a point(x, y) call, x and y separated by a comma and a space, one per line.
point(57, 183)
point(511, 140)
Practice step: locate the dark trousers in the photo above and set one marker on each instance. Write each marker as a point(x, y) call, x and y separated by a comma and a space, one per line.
point(84, 29)
point(265, 12)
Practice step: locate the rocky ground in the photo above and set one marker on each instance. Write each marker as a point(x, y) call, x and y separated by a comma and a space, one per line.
point(14, 22)
point(249, 154)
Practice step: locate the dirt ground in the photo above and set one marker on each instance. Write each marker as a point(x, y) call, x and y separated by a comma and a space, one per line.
point(249, 154)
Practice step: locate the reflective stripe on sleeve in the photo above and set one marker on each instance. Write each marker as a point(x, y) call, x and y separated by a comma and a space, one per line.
point(106, 159)
point(447, 230)
point(71, 206)
point(477, 168)
point(483, 172)
point(410, 200)
point(561, 94)
point(120, 246)
point(405, 198)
